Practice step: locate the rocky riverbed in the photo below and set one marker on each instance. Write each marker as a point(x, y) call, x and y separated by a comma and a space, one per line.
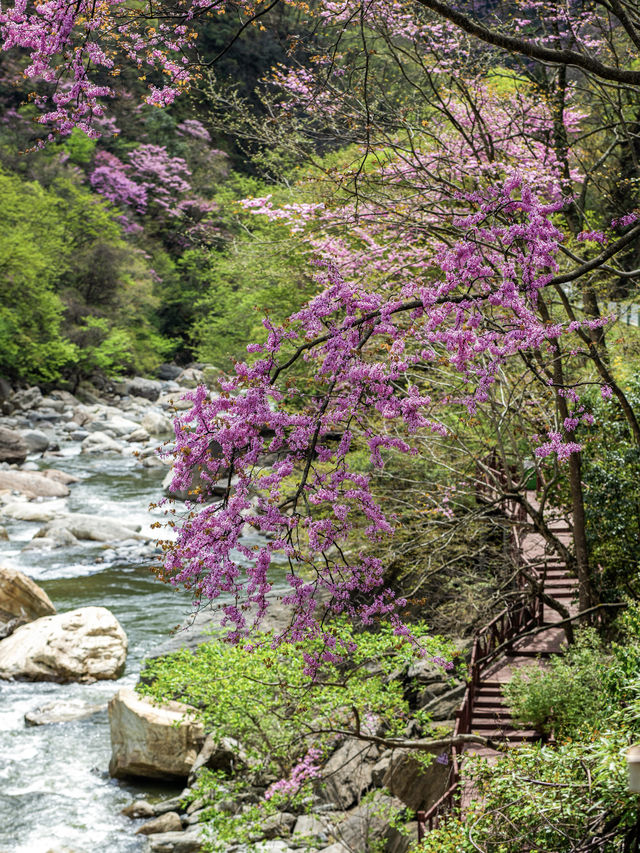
point(74, 517)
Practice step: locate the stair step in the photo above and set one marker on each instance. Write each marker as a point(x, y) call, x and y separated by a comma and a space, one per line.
point(496, 715)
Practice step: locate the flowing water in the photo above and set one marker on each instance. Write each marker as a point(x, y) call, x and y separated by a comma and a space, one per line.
point(55, 791)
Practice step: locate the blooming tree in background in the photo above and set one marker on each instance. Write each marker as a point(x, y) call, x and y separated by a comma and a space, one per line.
point(442, 249)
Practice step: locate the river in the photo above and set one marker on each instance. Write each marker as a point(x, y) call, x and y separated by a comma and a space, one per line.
point(55, 791)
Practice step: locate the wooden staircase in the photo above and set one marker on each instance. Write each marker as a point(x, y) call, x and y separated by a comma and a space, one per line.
point(524, 632)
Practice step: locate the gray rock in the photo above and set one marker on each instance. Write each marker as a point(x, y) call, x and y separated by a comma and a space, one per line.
point(150, 389)
point(78, 434)
point(190, 841)
point(6, 391)
point(277, 825)
point(369, 823)
point(168, 371)
point(168, 822)
point(13, 447)
point(418, 787)
point(51, 402)
point(100, 442)
point(36, 440)
point(156, 423)
point(443, 707)
point(26, 399)
point(224, 754)
point(139, 434)
point(61, 712)
point(348, 772)
point(82, 416)
point(90, 527)
point(311, 827)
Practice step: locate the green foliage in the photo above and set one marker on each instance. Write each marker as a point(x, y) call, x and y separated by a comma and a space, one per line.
point(568, 696)
point(33, 254)
point(263, 698)
point(79, 147)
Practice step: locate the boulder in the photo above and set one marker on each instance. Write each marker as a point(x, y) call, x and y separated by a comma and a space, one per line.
point(168, 822)
point(61, 712)
point(168, 371)
point(117, 424)
point(418, 787)
point(13, 447)
point(92, 528)
point(156, 741)
point(32, 484)
point(60, 476)
point(22, 598)
point(82, 416)
point(224, 754)
point(139, 808)
point(36, 440)
point(156, 423)
point(190, 377)
point(28, 398)
point(276, 825)
point(139, 434)
point(148, 388)
point(174, 400)
point(82, 645)
point(348, 772)
point(371, 822)
point(311, 828)
point(190, 841)
point(100, 442)
point(22, 510)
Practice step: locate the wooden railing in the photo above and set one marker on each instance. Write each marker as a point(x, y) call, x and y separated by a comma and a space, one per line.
point(521, 615)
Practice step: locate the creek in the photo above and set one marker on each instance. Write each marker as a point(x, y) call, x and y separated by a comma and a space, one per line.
point(55, 790)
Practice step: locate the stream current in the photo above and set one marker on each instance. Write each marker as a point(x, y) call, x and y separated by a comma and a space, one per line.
point(55, 791)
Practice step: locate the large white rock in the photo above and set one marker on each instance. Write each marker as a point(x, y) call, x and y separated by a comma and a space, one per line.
point(90, 527)
point(100, 442)
point(32, 484)
point(156, 423)
point(157, 741)
point(22, 510)
point(82, 645)
point(21, 598)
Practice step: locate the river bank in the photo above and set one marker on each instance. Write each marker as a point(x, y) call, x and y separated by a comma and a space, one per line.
point(55, 790)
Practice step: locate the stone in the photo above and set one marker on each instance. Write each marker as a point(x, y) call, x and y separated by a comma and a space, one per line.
point(22, 510)
point(13, 447)
point(444, 707)
point(100, 442)
point(277, 825)
point(78, 434)
point(22, 598)
point(85, 644)
point(4, 534)
point(418, 787)
point(61, 712)
point(139, 434)
point(152, 462)
point(348, 772)
point(82, 416)
point(369, 823)
point(32, 484)
point(26, 399)
point(310, 827)
point(190, 841)
point(168, 371)
point(92, 528)
point(6, 391)
point(36, 440)
point(150, 389)
point(139, 808)
point(155, 741)
point(337, 847)
point(174, 400)
point(190, 377)
point(156, 423)
point(60, 476)
point(119, 425)
point(168, 822)
point(223, 754)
